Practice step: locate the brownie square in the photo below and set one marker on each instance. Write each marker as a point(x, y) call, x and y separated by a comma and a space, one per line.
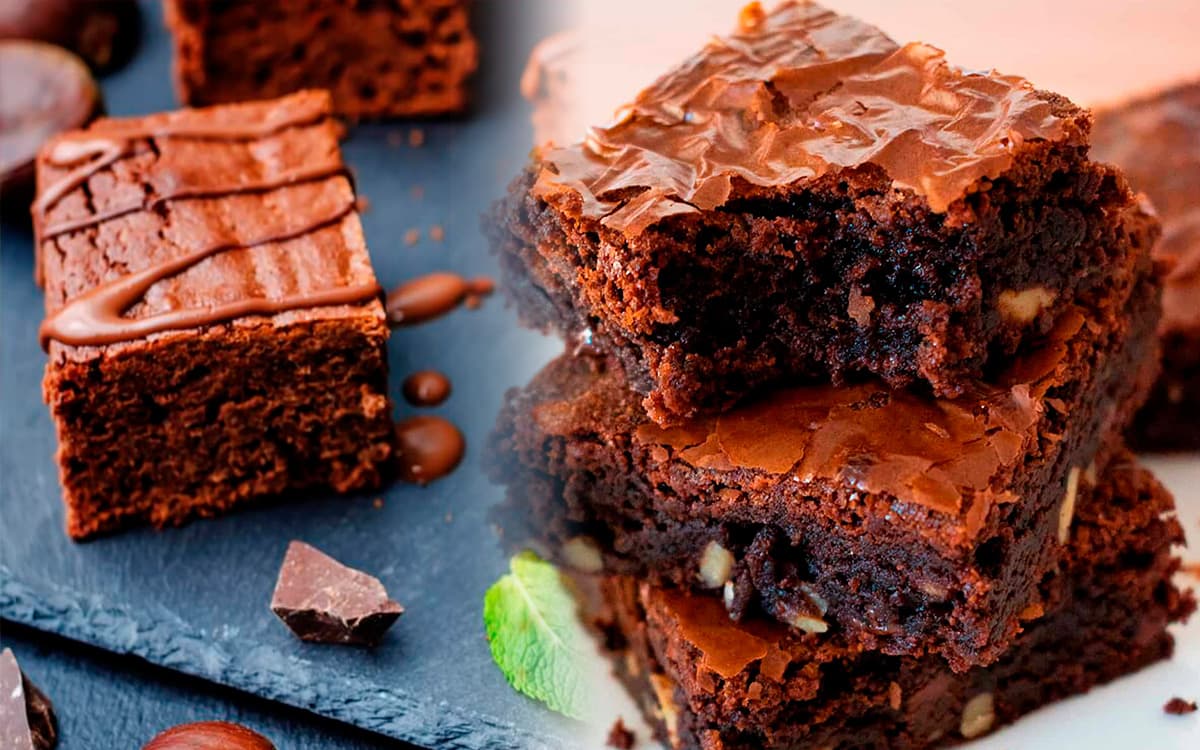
point(911, 524)
point(807, 199)
point(1156, 139)
point(378, 59)
point(214, 326)
point(710, 684)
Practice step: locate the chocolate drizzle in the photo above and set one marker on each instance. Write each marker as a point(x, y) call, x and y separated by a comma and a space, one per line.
point(96, 317)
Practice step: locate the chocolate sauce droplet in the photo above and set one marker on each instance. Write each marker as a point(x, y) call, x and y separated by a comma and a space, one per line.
point(426, 388)
point(426, 297)
point(428, 448)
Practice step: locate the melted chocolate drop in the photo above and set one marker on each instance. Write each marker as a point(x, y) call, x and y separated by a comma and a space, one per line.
point(426, 388)
point(425, 298)
point(428, 448)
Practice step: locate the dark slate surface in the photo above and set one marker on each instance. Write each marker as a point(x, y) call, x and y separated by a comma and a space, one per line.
point(107, 702)
point(195, 599)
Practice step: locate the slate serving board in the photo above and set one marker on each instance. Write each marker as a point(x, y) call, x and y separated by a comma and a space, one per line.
point(195, 599)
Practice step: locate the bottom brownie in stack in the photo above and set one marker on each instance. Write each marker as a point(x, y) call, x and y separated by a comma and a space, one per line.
point(709, 683)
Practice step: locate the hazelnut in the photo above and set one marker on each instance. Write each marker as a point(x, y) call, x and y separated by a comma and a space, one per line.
point(716, 565)
point(978, 717)
point(582, 554)
point(209, 735)
point(1066, 511)
point(1023, 306)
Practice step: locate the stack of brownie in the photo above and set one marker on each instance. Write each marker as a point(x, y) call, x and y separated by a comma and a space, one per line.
point(860, 333)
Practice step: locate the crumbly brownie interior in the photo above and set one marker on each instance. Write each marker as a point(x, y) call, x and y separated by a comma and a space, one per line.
point(901, 578)
point(838, 279)
point(707, 683)
point(412, 57)
point(195, 426)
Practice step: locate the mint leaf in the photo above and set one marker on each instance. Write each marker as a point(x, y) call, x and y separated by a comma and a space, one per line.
point(535, 635)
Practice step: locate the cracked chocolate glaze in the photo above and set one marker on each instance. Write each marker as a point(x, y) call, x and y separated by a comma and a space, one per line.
point(789, 97)
point(96, 317)
point(930, 452)
point(1156, 140)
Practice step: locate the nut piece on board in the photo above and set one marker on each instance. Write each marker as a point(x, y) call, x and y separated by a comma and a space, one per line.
point(209, 735)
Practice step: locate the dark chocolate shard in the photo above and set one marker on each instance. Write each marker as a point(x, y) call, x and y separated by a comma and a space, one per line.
point(26, 716)
point(321, 600)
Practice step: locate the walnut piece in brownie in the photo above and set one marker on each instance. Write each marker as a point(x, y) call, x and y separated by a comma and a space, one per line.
point(806, 198)
point(912, 524)
point(396, 59)
point(214, 327)
point(706, 682)
point(1156, 139)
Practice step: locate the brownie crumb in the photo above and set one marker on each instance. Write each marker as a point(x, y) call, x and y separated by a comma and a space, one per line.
point(622, 738)
point(1178, 706)
point(395, 138)
point(418, 192)
point(362, 204)
point(416, 137)
point(437, 233)
point(412, 237)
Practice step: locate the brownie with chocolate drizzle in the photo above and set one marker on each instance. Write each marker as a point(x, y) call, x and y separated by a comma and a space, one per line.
point(215, 332)
point(806, 199)
point(705, 682)
point(395, 59)
point(1156, 139)
point(909, 523)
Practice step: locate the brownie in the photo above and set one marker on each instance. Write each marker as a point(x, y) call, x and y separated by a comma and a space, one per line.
point(913, 524)
point(378, 59)
point(806, 199)
point(214, 327)
point(708, 683)
point(1156, 139)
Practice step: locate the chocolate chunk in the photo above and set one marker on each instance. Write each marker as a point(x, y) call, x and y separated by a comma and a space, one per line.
point(26, 716)
point(46, 90)
point(105, 33)
point(321, 600)
point(1178, 706)
point(620, 737)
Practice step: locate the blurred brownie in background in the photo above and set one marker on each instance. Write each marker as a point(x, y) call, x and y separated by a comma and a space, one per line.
point(1156, 139)
point(378, 59)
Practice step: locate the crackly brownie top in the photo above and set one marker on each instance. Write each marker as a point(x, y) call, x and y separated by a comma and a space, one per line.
point(925, 452)
point(791, 96)
point(177, 221)
point(1156, 140)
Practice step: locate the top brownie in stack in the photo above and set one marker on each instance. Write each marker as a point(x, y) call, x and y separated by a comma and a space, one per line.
point(909, 523)
point(1156, 140)
point(805, 198)
point(214, 327)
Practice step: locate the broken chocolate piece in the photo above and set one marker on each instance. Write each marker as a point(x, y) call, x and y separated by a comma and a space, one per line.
point(620, 737)
point(321, 600)
point(26, 716)
point(1179, 706)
